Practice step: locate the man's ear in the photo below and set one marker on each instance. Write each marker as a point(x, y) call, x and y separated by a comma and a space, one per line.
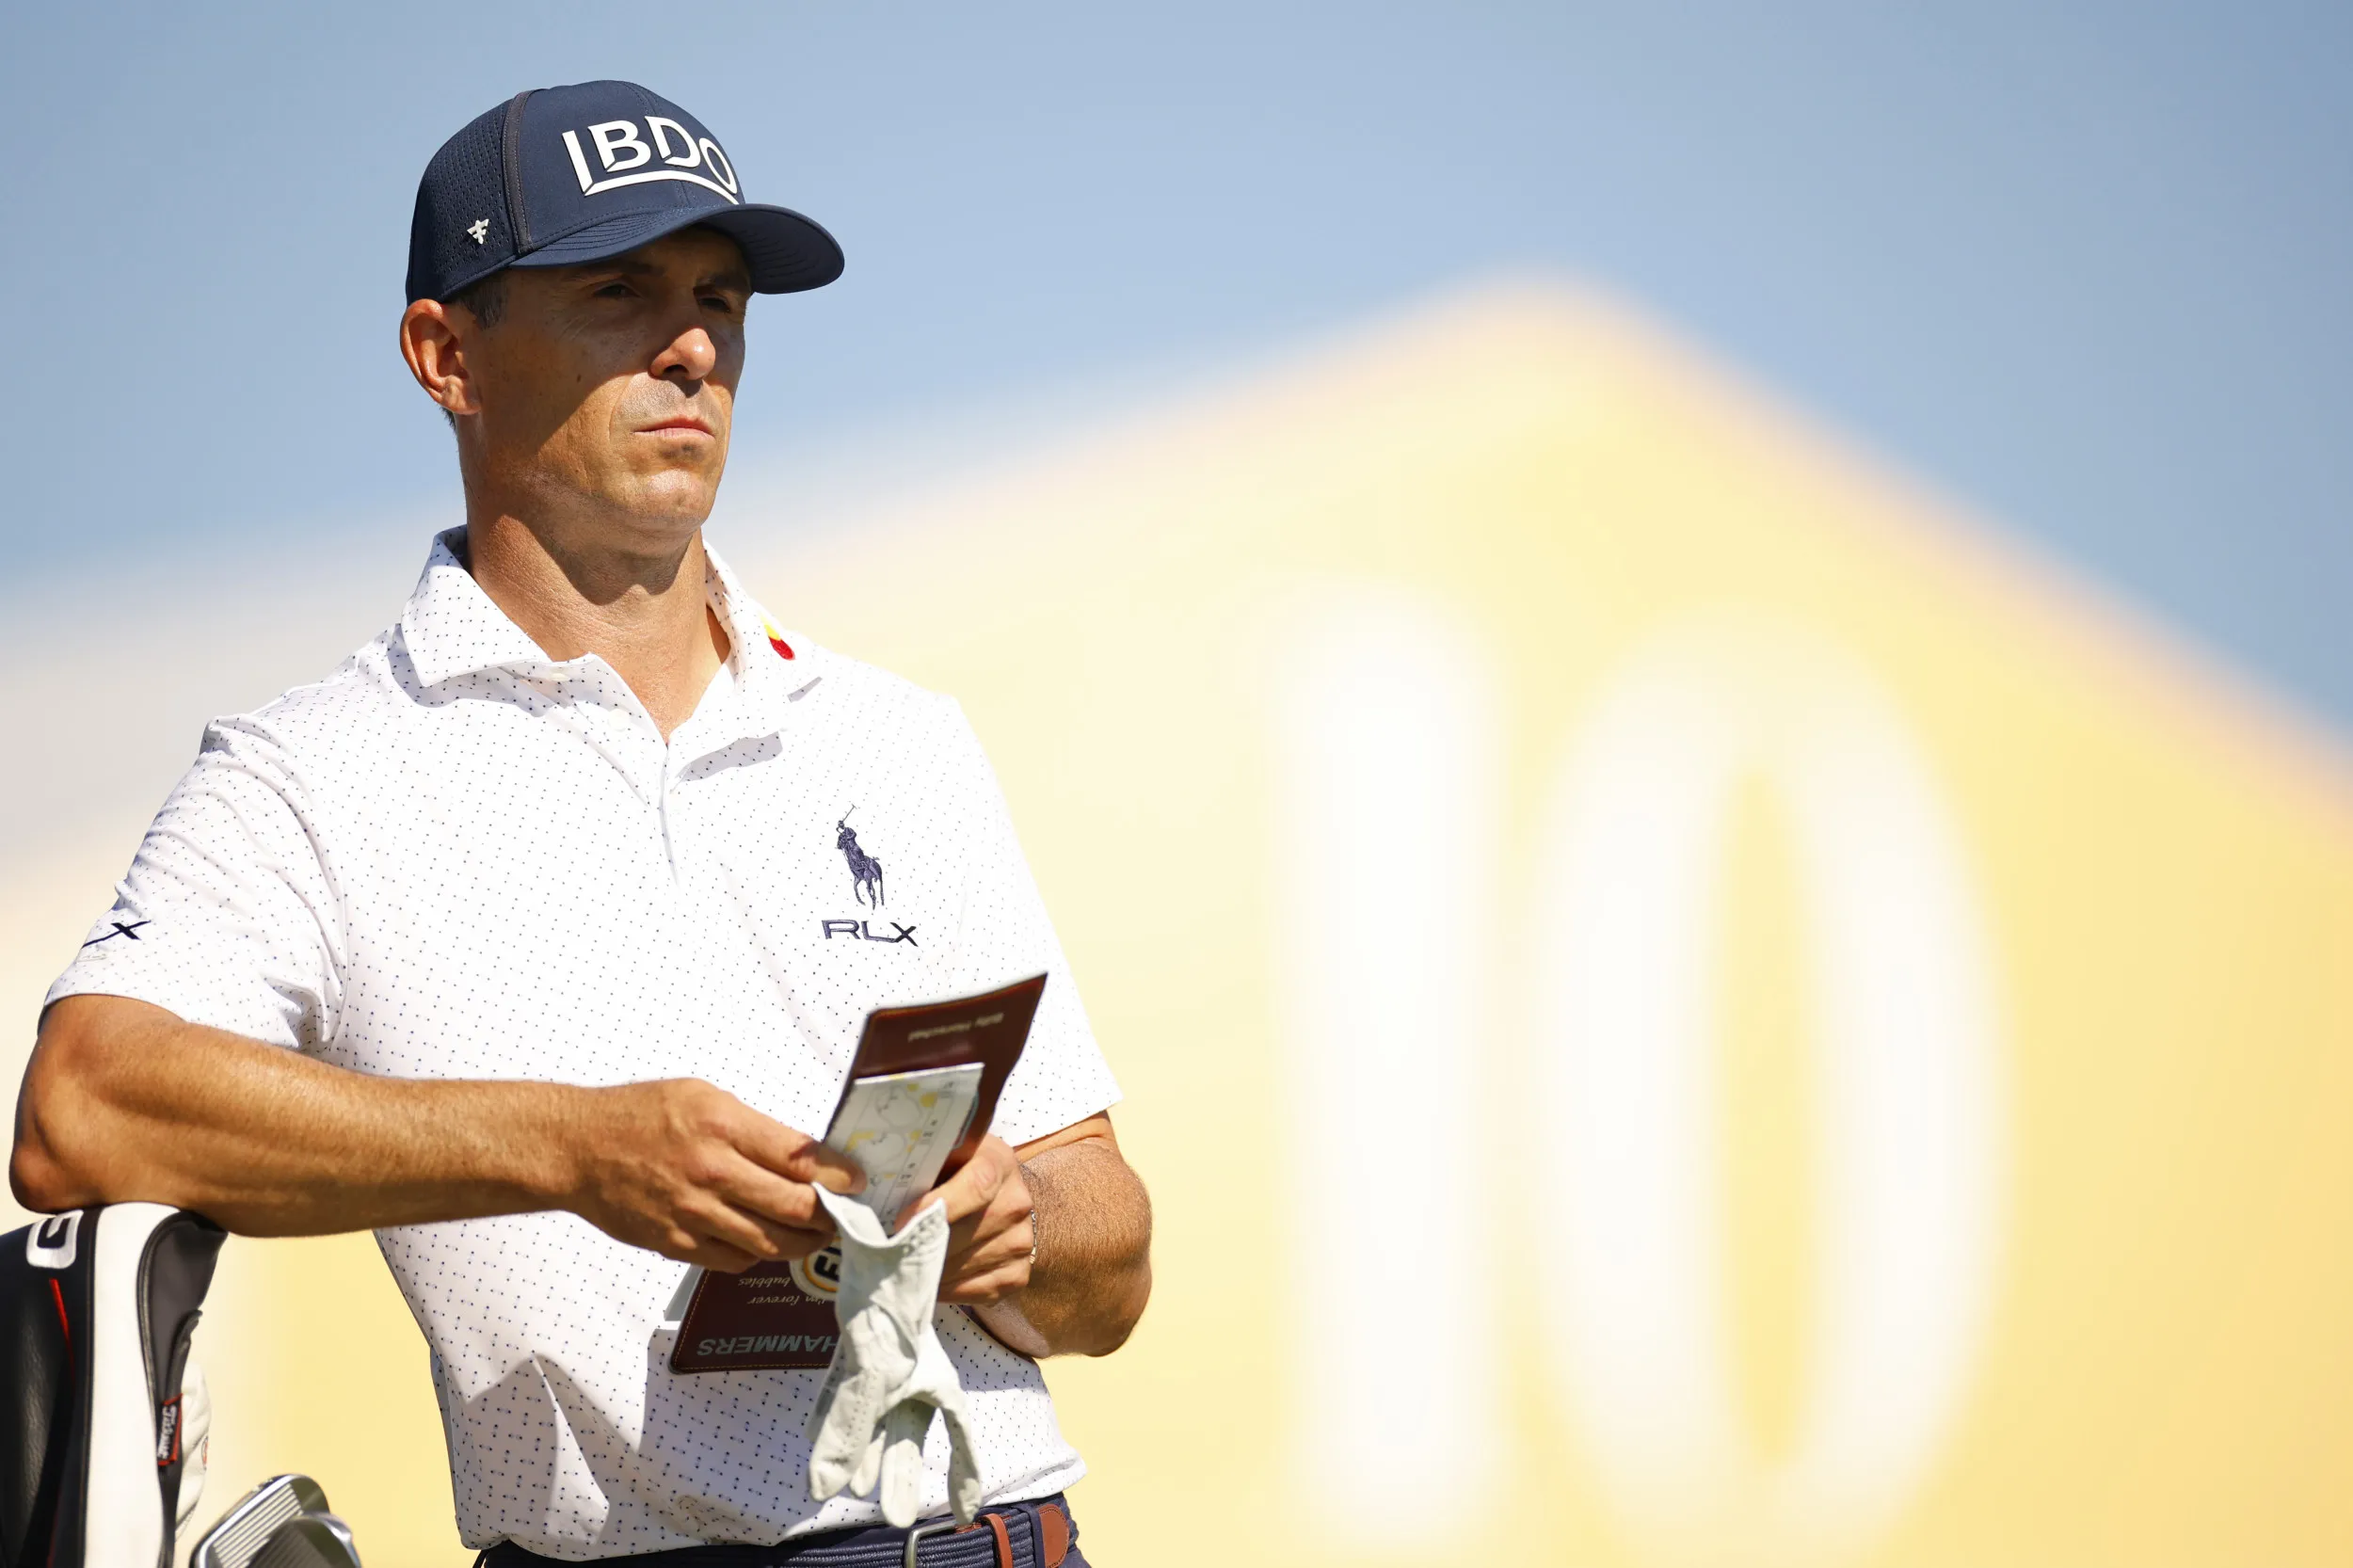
point(434, 338)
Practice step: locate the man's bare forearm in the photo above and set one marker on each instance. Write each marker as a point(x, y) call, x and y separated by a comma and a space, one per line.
point(125, 1102)
point(1094, 1270)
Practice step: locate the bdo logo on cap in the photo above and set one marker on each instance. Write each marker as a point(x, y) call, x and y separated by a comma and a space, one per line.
point(620, 150)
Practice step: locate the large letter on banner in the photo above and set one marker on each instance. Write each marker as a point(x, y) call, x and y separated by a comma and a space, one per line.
point(1382, 872)
point(1907, 1089)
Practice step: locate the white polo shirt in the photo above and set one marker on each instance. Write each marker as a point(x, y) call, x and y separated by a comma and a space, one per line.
point(456, 858)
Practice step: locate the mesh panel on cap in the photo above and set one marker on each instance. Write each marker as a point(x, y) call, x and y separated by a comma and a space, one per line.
point(464, 185)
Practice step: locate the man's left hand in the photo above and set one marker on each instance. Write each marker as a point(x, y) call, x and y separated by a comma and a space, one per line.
point(1050, 1244)
point(990, 1234)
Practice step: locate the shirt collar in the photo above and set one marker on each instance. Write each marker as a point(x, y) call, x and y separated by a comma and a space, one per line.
point(451, 628)
point(768, 667)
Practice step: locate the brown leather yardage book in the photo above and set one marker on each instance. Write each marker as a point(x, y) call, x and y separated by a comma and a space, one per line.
point(781, 1315)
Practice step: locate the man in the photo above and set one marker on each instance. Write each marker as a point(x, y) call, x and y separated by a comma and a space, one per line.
point(538, 937)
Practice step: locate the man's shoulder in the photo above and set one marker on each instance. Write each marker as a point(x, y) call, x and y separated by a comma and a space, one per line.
point(855, 691)
point(347, 706)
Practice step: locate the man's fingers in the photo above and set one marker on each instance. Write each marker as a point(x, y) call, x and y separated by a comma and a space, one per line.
point(711, 1254)
point(739, 1232)
point(690, 1170)
point(1012, 1245)
point(777, 1243)
point(972, 1188)
point(754, 1188)
point(992, 1287)
point(991, 1240)
point(796, 1156)
point(961, 1195)
point(748, 1231)
point(790, 1220)
point(828, 1168)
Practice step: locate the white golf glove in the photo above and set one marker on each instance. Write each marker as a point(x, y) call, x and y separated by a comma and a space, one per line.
point(889, 1373)
point(196, 1440)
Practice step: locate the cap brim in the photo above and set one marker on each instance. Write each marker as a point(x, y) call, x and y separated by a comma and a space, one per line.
point(786, 251)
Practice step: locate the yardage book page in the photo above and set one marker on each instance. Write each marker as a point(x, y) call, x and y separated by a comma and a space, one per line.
point(899, 1127)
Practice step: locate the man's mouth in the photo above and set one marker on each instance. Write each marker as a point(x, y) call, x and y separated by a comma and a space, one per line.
point(682, 421)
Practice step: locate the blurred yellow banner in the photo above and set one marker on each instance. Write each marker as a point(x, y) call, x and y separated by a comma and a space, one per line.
point(1678, 1004)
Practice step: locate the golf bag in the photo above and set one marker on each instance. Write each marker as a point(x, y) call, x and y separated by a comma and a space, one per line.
point(96, 1309)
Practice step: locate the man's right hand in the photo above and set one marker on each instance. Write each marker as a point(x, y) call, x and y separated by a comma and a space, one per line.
point(124, 1102)
point(693, 1173)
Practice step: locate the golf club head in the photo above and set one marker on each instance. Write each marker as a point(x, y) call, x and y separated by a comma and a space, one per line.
point(309, 1541)
point(282, 1523)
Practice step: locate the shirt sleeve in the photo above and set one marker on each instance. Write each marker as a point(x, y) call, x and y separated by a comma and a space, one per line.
point(226, 917)
point(1003, 935)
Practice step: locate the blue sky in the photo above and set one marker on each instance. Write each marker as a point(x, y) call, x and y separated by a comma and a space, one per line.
point(2084, 267)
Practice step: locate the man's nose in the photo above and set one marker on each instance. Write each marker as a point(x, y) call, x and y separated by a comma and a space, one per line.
point(690, 357)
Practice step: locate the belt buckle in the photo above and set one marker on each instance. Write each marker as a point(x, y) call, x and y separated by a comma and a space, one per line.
point(916, 1536)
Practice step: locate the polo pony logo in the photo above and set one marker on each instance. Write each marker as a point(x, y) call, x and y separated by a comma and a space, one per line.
point(865, 871)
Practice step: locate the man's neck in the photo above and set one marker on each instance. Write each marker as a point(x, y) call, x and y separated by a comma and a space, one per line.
point(646, 617)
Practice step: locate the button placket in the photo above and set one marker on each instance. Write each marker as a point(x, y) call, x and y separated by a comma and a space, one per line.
point(669, 827)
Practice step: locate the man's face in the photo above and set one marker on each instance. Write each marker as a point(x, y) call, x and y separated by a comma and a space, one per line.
point(609, 389)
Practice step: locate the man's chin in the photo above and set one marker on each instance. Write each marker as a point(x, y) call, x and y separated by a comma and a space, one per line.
point(670, 500)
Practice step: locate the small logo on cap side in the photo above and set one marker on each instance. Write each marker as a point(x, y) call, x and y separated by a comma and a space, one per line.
point(480, 229)
point(621, 149)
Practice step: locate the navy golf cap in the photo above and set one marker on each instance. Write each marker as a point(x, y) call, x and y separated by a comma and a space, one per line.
point(557, 176)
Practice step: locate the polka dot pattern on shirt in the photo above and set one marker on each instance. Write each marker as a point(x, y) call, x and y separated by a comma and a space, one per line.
point(456, 858)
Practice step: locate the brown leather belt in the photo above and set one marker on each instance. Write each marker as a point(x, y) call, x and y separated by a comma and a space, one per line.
point(1051, 1546)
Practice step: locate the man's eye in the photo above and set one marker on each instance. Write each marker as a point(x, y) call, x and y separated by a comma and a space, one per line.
point(616, 290)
